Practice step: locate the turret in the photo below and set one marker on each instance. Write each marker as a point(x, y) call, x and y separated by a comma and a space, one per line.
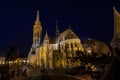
point(37, 31)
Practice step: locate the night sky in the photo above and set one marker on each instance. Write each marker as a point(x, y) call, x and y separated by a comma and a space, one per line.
point(87, 18)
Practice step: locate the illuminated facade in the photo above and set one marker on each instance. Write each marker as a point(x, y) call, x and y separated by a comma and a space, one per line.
point(53, 52)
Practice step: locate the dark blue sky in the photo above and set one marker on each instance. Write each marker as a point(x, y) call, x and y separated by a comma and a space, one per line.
point(90, 18)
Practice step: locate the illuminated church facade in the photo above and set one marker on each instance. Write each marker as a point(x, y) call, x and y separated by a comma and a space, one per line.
point(53, 52)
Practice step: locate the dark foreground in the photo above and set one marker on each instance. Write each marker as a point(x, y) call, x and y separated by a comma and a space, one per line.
point(54, 77)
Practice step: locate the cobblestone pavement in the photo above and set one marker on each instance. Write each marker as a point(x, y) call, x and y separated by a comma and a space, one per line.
point(34, 74)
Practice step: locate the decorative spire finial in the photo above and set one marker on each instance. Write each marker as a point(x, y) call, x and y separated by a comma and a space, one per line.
point(113, 7)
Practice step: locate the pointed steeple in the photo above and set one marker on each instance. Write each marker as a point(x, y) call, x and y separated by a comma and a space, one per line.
point(57, 30)
point(37, 21)
point(116, 12)
point(37, 16)
point(116, 22)
point(116, 37)
point(46, 36)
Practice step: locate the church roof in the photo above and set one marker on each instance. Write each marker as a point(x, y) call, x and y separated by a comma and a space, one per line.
point(52, 40)
point(68, 34)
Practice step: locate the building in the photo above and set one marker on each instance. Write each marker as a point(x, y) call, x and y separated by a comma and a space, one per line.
point(95, 46)
point(2, 60)
point(53, 52)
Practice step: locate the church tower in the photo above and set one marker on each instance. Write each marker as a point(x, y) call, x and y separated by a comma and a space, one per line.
point(116, 38)
point(37, 31)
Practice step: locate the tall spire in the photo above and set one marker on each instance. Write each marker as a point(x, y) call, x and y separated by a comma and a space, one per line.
point(116, 37)
point(37, 30)
point(116, 13)
point(116, 22)
point(46, 36)
point(37, 16)
point(57, 30)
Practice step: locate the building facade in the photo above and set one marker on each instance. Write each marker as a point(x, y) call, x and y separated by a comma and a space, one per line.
point(53, 52)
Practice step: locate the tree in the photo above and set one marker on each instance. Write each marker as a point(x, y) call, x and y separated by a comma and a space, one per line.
point(94, 65)
point(12, 54)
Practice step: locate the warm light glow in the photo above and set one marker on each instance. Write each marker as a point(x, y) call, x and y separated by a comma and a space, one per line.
point(27, 61)
point(24, 61)
point(3, 62)
point(89, 51)
point(16, 61)
point(10, 62)
point(20, 61)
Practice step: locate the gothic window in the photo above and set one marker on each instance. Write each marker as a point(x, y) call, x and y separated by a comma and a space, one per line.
point(72, 45)
point(35, 34)
point(78, 45)
point(59, 46)
point(66, 46)
point(72, 52)
point(75, 44)
point(62, 47)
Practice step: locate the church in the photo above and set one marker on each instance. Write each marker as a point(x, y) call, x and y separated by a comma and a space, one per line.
point(53, 52)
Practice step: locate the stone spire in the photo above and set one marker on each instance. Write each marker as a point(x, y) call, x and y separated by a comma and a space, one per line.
point(46, 36)
point(116, 38)
point(57, 30)
point(116, 22)
point(116, 12)
point(37, 21)
point(37, 16)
